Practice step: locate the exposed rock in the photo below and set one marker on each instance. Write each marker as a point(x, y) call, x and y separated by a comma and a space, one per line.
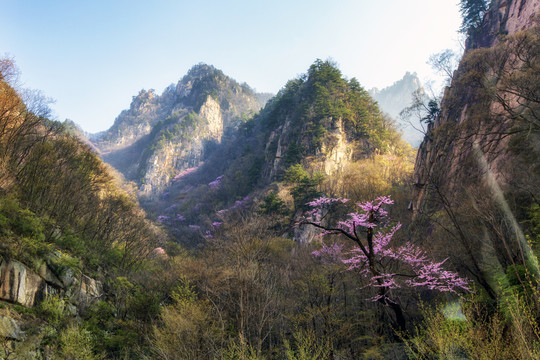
point(211, 112)
point(150, 142)
point(338, 153)
point(10, 329)
point(281, 146)
point(19, 284)
point(504, 17)
point(456, 132)
point(88, 292)
point(48, 275)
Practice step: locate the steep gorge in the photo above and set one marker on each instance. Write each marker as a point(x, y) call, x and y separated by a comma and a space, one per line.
point(476, 170)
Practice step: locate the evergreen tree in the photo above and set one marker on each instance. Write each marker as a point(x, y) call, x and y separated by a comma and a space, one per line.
point(473, 12)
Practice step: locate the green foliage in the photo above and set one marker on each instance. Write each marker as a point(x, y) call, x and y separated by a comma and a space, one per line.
point(295, 153)
point(472, 12)
point(22, 232)
point(317, 134)
point(307, 345)
point(295, 174)
point(76, 343)
point(315, 103)
point(54, 310)
point(272, 204)
point(479, 333)
point(239, 350)
point(186, 330)
point(304, 185)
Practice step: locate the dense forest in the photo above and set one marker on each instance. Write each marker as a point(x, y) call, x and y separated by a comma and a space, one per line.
point(297, 226)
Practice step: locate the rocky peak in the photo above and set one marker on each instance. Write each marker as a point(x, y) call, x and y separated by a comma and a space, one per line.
point(396, 97)
point(161, 135)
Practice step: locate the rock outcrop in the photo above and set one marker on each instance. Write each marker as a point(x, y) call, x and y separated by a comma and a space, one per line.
point(472, 128)
point(504, 17)
point(10, 329)
point(160, 136)
point(21, 285)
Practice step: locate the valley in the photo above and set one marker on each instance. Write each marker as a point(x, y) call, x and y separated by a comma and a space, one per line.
point(212, 221)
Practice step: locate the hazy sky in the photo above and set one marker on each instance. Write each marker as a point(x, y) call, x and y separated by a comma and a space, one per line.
point(92, 56)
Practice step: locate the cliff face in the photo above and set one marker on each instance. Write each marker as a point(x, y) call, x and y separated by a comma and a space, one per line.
point(25, 286)
point(160, 136)
point(146, 109)
point(483, 110)
point(504, 17)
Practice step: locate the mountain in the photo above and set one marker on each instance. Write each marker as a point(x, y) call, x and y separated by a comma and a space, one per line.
point(85, 273)
point(396, 97)
point(163, 134)
point(70, 237)
point(477, 169)
point(316, 127)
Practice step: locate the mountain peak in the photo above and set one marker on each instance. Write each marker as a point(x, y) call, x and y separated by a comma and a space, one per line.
point(396, 97)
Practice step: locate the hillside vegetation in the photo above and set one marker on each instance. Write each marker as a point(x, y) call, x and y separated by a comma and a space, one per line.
point(280, 229)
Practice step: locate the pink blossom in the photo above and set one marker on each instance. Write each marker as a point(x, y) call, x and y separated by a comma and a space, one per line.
point(329, 254)
point(184, 173)
point(375, 249)
point(326, 201)
point(216, 184)
point(162, 218)
point(159, 250)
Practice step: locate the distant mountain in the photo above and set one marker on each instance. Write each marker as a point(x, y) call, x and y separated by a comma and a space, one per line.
point(393, 99)
point(160, 135)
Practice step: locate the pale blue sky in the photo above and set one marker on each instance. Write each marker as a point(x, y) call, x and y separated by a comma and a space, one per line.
point(92, 56)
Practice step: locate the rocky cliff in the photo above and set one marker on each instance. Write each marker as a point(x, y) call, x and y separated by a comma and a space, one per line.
point(162, 135)
point(25, 286)
point(482, 109)
point(477, 170)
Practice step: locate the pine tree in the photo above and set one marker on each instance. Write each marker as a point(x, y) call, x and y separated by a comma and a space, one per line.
point(473, 12)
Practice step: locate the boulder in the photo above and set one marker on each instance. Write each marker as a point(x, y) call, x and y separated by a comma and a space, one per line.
point(10, 329)
point(19, 284)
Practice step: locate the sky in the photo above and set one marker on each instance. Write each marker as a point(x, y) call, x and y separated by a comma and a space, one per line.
point(92, 57)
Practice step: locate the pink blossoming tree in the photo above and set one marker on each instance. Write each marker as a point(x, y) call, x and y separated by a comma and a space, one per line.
point(373, 252)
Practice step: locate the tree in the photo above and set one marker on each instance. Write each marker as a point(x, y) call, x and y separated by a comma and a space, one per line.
point(424, 108)
point(445, 63)
point(472, 12)
point(373, 255)
point(305, 185)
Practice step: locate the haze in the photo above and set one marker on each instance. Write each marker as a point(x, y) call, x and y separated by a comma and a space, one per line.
point(92, 57)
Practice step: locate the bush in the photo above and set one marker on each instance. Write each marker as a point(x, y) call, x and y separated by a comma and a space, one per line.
point(76, 344)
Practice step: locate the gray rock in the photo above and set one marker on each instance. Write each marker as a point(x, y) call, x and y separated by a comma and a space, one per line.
point(19, 284)
point(10, 329)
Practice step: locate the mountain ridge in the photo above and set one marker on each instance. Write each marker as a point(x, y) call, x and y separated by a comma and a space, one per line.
point(141, 142)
